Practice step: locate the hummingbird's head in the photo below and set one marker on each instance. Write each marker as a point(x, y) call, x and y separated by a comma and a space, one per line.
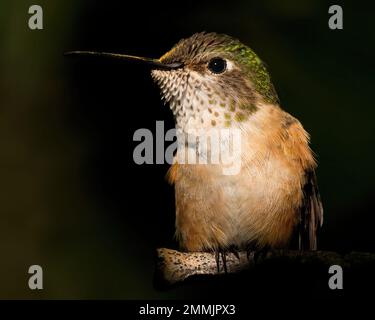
point(219, 81)
point(209, 80)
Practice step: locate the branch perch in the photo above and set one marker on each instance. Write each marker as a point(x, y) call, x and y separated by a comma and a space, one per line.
point(174, 266)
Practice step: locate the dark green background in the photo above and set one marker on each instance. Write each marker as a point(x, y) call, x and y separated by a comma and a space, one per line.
point(71, 198)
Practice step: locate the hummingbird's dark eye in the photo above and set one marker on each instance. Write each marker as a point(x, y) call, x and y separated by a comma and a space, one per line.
point(217, 65)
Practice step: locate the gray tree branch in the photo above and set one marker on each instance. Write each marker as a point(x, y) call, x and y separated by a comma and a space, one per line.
point(174, 266)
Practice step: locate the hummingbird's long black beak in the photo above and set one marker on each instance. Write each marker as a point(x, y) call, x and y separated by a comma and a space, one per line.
point(155, 63)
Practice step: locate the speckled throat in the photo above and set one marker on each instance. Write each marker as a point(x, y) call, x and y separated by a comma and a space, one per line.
point(198, 103)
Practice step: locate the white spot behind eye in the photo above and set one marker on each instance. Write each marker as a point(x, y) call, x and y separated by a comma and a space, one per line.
point(229, 65)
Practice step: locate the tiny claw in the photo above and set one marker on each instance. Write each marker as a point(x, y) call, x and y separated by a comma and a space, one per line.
point(234, 250)
point(248, 252)
point(217, 258)
point(224, 259)
point(261, 254)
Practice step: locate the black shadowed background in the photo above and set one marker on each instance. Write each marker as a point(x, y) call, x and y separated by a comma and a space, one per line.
point(71, 197)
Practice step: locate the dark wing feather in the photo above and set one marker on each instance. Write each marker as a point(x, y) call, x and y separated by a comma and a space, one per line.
point(311, 218)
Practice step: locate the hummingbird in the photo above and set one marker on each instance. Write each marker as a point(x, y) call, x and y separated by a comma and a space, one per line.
point(211, 81)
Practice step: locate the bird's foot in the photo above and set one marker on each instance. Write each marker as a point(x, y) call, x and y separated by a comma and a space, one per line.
point(258, 253)
point(221, 254)
point(234, 250)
